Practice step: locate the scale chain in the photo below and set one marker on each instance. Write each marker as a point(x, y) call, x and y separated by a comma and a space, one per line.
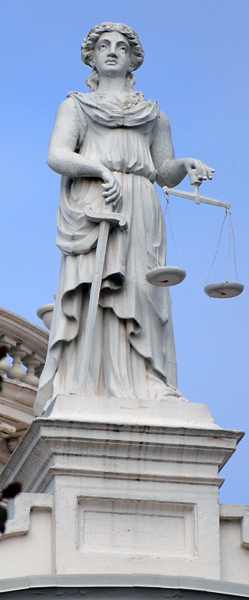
point(218, 245)
point(234, 252)
point(166, 196)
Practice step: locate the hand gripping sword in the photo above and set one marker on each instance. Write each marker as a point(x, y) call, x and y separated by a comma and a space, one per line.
point(105, 220)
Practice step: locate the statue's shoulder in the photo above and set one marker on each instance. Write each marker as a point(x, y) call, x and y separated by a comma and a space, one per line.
point(163, 120)
point(68, 114)
point(66, 107)
point(81, 97)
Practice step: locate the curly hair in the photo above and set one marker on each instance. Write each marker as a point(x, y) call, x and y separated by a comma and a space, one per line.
point(87, 46)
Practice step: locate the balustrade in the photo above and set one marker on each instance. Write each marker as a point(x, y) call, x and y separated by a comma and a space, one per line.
point(27, 347)
point(26, 365)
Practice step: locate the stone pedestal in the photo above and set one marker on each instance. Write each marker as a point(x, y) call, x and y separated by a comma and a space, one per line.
point(135, 484)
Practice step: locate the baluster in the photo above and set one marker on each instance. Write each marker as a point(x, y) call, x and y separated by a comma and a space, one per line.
point(39, 369)
point(5, 366)
point(31, 362)
point(17, 353)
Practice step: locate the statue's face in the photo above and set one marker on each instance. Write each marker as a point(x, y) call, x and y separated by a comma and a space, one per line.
point(112, 54)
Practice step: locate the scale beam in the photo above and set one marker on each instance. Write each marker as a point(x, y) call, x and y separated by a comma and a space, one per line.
point(196, 197)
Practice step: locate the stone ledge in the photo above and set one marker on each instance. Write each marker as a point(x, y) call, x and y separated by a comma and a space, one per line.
point(130, 411)
point(237, 512)
point(22, 507)
point(126, 582)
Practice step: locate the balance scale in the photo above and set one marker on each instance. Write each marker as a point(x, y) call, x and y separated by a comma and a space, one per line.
point(169, 275)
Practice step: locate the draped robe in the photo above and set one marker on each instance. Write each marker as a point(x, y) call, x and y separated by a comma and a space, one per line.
point(133, 354)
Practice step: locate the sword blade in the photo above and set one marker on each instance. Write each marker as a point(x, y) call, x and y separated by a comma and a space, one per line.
point(94, 300)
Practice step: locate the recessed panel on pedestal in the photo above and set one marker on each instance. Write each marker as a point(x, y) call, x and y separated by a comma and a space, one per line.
point(136, 527)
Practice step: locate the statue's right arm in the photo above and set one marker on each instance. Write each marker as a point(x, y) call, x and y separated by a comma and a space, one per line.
point(62, 157)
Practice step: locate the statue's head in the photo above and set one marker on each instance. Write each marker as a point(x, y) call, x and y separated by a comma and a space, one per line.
point(88, 46)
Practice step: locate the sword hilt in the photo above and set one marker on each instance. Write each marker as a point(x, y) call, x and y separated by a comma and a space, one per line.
point(115, 219)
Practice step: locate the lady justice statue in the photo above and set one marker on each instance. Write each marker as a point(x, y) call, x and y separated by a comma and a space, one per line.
point(110, 146)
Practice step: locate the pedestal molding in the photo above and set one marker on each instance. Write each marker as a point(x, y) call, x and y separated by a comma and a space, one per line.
point(47, 439)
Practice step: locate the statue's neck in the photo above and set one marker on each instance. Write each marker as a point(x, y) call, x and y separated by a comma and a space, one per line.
point(114, 86)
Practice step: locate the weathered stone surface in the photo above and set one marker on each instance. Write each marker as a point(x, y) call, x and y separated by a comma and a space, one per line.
point(110, 146)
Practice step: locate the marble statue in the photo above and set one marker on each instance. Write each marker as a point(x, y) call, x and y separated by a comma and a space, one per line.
point(110, 146)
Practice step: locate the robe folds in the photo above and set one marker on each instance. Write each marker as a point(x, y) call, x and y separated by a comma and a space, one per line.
point(133, 354)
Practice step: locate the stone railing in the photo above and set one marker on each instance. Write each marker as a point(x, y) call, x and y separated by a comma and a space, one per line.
point(27, 347)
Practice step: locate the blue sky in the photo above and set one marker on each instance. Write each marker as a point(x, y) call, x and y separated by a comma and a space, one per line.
point(196, 67)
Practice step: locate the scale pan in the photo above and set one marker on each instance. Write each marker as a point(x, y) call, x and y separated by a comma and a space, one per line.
point(166, 276)
point(227, 289)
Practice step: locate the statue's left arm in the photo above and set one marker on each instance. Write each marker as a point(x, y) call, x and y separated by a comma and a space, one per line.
point(170, 170)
